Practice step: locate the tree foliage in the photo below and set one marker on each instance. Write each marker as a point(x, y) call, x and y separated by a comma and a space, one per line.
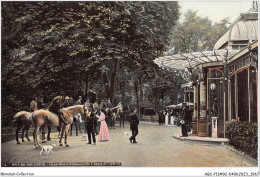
point(49, 47)
point(196, 34)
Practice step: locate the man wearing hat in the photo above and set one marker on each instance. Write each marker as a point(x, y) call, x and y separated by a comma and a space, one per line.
point(66, 102)
point(33, 105)
point(79, 101)
point(134, 122)
point(55, 107)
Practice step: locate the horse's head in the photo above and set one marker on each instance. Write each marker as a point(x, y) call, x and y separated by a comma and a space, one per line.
point(84, 111)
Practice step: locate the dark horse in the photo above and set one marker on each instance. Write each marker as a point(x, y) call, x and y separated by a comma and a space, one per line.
point(122, 116)
point(113, 113)
point(23, 122)
point(43, 117)
point(77, 120)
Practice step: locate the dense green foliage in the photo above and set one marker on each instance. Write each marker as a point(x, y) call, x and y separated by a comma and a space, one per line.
point(196, 34)
point(243, 136)
point(49, 47)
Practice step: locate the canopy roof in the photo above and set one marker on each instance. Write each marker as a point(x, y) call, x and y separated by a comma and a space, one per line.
point(188, 60)
point(147, 104)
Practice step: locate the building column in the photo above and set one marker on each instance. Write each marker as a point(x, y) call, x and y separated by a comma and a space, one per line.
point(236, 96)
point(226, 107)
point(203, 124)
point(202, 100)
point(229, 100)
point(248, 94)
point(194, 117)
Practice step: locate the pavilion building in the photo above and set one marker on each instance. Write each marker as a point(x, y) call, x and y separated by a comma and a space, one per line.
point(224, 80)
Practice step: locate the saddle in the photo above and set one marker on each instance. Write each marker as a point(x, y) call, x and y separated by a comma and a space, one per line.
point(66, 113)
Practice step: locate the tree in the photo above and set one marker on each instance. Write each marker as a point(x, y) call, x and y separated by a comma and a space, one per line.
point(50, 47)
point(196, 34)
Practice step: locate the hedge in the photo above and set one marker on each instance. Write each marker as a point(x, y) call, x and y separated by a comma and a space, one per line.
point(243, 137)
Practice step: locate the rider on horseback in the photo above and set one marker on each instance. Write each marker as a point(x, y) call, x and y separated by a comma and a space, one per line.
point(55, 107)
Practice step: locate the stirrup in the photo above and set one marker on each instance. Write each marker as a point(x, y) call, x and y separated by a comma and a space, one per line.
point(65, 123)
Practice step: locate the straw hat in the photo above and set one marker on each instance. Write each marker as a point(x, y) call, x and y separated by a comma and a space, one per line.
point(95, 105)
point(67, 98)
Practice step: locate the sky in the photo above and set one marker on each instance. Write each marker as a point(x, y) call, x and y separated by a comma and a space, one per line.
point(216, 11)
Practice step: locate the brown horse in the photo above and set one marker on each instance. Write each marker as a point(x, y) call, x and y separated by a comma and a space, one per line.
point(23, 122)
point(43, 117)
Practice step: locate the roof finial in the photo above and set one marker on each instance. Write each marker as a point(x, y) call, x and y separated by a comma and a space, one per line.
point(254, 7)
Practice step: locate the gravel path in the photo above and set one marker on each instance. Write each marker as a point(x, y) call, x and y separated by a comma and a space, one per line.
point(155, 148)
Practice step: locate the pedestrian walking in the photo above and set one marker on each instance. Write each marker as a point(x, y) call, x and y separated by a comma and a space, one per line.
point(103, 132)
point(134, 122)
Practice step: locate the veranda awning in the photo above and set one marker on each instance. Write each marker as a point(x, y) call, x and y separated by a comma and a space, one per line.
point(189, 60)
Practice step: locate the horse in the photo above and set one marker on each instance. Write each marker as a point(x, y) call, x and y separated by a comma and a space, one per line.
point(113, 113)
point(77, 120)
point(122, 115)
point(44, 117)
point(23, 122)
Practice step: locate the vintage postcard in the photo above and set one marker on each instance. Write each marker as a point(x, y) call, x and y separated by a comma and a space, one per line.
point(99, 88)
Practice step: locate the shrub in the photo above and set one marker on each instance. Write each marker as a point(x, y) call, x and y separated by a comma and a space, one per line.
point(243, 137)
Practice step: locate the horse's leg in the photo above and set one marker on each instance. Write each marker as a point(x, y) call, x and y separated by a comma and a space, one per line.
point(19, 127)
point(123, 121)
point(66, 135)
point(79, 124)
point(71, 129)
point(49, 134)
point(114, 122)
point(27, 129)
point(58, 129)
point(62, 132)
point(76, 125)
point(24, 128)
point(36, 142)
point(43, 129)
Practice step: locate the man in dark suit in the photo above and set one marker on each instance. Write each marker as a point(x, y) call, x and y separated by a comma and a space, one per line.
point(91, 127)
point(185, 123)
point(134, 122)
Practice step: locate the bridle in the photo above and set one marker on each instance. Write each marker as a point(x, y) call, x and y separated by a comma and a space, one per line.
point(85, 114)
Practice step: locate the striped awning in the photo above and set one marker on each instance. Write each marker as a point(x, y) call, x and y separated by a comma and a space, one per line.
point(189, 60)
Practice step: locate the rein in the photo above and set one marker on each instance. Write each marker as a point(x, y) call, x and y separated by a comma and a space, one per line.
point(85, 114)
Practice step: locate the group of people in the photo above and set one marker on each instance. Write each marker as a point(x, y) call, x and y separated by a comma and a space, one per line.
point(98, 116)
point(184, 113)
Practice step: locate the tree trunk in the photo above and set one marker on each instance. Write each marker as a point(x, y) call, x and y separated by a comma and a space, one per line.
point(113, 80)
point(106, 83)
point(123, 96)
point(137, 96)
point(86, 88)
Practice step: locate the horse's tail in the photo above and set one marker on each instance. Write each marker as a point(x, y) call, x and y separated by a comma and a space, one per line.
point(18, 116)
